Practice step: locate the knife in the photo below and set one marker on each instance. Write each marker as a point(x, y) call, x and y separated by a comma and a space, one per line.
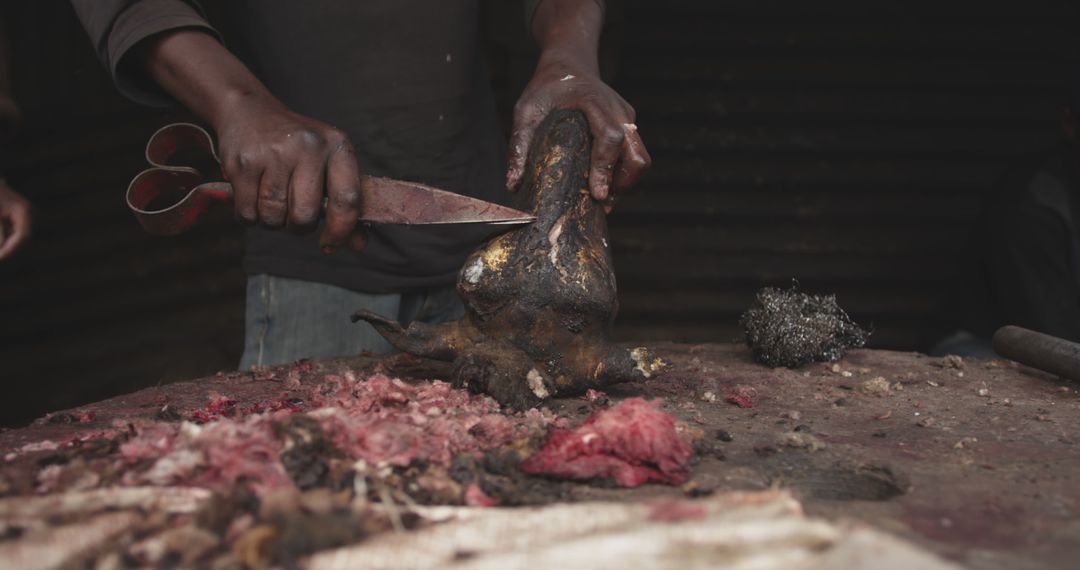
point(185, 181)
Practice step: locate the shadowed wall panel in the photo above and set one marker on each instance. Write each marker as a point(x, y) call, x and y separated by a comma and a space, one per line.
point(844, 144)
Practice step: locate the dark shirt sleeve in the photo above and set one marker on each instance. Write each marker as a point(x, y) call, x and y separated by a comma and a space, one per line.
point(116, 26)
point(1033, 274)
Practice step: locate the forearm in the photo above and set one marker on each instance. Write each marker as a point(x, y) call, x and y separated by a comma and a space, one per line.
point(567, 76)
point(568, 32)
point(281, 164)
point(201, 74)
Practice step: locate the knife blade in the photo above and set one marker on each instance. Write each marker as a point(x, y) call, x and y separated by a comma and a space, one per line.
point(389, 201)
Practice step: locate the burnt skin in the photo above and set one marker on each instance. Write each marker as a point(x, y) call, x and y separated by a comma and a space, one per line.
point(540, 300)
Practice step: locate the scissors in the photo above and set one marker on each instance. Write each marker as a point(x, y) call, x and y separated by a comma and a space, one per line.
point(185, 180)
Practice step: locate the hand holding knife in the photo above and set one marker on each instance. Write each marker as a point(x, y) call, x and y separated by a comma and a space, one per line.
point(185, 181)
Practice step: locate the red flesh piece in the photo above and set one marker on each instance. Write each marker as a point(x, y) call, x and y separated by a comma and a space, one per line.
point(595, 396)
point(632, 443)
point(740, 400)
point(476, 497)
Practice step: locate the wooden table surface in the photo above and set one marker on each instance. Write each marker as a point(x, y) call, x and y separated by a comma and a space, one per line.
point(975, 460)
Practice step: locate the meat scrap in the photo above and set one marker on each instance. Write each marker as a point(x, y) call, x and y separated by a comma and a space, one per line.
point(476, 497)
point(741, 395)
point(379, 420)
point(741, 400)
point(632, 443)
point(221, 406)
point(218, 407)
point(268, 482)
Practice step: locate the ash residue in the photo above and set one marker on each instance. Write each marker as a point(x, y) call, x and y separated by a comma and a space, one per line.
point(790, 329)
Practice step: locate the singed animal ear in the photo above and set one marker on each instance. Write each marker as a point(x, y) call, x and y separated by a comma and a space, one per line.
point(439, 342)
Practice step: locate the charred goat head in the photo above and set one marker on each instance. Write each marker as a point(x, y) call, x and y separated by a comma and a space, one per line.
point(540, 300)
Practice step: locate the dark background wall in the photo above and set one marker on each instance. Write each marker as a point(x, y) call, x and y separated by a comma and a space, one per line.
point(843, 143)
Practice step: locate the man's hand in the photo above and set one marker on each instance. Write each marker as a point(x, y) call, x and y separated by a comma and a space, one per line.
point(618, 154)
point(280, 164)
point(15, 215)
point(567, 77)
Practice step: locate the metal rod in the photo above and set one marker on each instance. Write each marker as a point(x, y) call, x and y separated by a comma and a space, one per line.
point(1037, 350)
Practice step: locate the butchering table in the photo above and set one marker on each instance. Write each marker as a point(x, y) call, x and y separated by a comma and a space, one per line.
point(978, 461)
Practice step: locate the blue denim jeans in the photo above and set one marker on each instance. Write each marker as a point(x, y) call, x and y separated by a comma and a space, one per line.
point(289, 319)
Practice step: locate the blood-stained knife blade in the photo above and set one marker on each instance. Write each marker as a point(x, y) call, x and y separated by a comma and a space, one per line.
point(388, 201)
point(185, 181)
